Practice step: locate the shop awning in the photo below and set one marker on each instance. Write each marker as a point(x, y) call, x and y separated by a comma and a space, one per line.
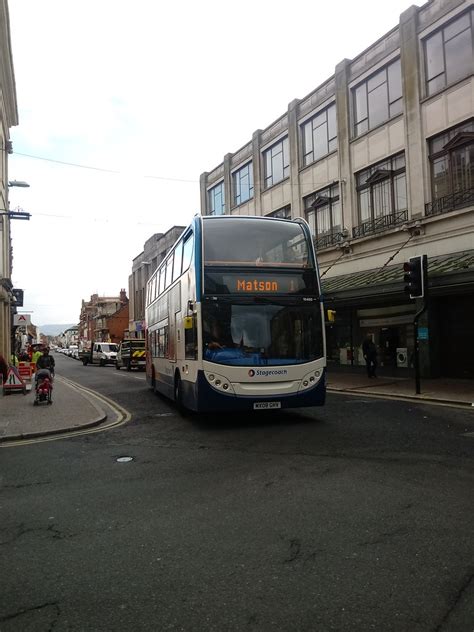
point(446, 274)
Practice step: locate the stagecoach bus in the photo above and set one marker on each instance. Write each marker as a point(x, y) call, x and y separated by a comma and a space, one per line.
point(234, 319)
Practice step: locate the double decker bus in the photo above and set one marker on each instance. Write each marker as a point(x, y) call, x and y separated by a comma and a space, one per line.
point(234, 317)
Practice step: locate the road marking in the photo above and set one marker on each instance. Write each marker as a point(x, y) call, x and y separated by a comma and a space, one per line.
point(412, 399)
point(123, 416)
point(135, 377)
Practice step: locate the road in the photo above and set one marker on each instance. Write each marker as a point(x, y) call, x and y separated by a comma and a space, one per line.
point(357, 516)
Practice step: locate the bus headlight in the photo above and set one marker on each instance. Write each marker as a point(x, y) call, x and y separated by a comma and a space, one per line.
point(310, 380)
point(219, 383)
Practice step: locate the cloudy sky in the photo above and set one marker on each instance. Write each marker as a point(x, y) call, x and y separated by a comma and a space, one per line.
point(139, 99)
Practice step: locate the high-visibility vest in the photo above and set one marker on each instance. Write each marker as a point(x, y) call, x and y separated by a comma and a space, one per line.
point(36, 355)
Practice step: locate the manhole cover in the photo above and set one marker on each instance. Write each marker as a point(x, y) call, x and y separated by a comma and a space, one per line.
point(124, 459)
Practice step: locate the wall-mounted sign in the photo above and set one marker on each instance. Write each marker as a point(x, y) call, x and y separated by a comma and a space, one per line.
point(17, 297)
point(423, 333)
point(21, 319)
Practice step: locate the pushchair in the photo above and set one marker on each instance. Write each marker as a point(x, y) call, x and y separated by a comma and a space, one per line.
point(43, 386)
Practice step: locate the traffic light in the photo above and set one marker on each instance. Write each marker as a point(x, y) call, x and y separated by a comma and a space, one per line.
point(415, 276)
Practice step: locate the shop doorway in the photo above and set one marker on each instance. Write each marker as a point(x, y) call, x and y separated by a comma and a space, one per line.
point(388, 343)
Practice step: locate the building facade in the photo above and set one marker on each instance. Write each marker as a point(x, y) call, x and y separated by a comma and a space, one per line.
point(154, 251)
point(8, 118)
point(379, 161)
point(94, 320)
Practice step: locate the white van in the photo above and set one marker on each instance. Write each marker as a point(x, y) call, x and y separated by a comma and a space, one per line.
point(101, 353)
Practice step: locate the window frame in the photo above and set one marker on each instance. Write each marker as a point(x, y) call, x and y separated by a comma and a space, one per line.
point(440, 31)
point(447, 151)
point(333, 194)
point(281, 213)
point(392, 175)
point(303, 125)
point(389, 102)
point(285, 152)
point(211, 198)
point(236, 199)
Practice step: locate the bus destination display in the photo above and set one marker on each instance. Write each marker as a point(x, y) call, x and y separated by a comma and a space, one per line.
point(260, 283)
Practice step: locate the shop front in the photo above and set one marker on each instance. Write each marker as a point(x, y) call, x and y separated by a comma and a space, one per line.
point(373, 304)
point(389, 327)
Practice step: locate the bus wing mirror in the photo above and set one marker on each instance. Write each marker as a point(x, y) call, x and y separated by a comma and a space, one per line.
point(188, 322)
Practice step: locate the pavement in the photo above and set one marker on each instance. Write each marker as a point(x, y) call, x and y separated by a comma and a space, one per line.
point(73, 409)
point(452, 392)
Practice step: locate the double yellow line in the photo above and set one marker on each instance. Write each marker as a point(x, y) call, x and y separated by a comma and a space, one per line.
point(122, 416)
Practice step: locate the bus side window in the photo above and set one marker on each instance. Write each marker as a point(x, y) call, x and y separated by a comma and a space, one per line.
point(162, 281)
point(169, 271)
point(178, 255)
point(188, 252)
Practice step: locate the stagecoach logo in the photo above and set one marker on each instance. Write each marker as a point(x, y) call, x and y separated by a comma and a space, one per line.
point(267, 372)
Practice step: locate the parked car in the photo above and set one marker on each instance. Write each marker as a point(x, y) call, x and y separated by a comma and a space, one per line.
point(71, 350)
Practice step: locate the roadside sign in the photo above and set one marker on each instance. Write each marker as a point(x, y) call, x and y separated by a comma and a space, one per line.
point(25, 370)
point(13, 382)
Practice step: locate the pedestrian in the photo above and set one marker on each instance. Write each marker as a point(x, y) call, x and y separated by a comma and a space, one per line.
point(3, 368)
point(14, 360)
point(370, 355)
point(36, 355)
point(45, 361)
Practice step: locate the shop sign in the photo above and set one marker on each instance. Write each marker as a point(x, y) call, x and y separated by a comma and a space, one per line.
point(18, 297)
point(422, 333)
point(387, 321)
point(21, 319)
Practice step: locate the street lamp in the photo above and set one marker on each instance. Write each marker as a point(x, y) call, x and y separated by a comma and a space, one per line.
point(17, 213)
point(18, 183)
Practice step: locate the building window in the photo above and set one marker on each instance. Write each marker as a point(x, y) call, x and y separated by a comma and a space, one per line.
point(276, 162)
point(319, 135)
point(449, 54)
point(382, 194)
point(242, 181)
point(216, 200)
point(281, 213)
point(378, 99)
point(323, 214)
point(452, 169)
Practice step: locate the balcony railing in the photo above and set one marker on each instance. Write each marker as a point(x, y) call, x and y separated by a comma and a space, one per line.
point(451, 202)
point(330, 239)
point(380, 224)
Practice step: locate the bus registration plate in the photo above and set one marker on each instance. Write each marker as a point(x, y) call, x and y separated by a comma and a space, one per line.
point(266, 405)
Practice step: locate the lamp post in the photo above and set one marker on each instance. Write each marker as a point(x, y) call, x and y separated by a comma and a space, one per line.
point(12, 294)
point(18, 183)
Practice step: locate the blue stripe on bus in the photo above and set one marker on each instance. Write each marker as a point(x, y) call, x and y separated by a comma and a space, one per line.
point(203, 398)
point(198, 256)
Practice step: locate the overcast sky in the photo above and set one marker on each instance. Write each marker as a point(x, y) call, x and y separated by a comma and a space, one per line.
point(149, 95)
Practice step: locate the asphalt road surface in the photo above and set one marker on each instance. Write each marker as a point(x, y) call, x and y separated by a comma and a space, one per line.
point(355, 516)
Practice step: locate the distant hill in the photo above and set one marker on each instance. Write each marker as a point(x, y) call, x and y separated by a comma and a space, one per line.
point(54, 330)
